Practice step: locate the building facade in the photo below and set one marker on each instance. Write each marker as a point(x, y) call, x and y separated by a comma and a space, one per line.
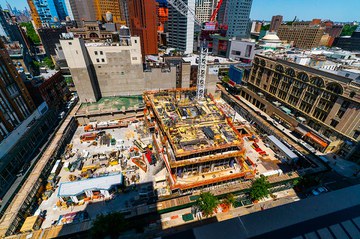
point(303, 36)
point(82, 10)
point(323, 107)
point(103, 8)
point(50, 37)
point(349, 43)
point(49, 12)
point(105, 68)
point(15, 101)
point(143, 23)
point(275, 23)
point(181, 29)
point(204, 9)
point(235, 14)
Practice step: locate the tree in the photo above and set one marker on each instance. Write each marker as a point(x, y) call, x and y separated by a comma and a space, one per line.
point(48, 62)
point(30, 32)
point(259, 189)
point(111, 225)
point(207, 203)
point(230, 199)
point(265, 27)
point(348, 30)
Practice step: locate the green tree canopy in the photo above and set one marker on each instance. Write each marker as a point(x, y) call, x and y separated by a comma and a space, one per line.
point(265, 27)
point(112, 224)
point(48, 62)
point(207, 203)
point(30, 32)
point(348, 30)
point(230, 199)
point(259, 189)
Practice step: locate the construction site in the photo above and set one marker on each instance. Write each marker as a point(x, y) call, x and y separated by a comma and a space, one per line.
point(198, 143)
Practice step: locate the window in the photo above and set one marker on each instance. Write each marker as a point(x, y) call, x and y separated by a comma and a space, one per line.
point(96, 52)
point(334, 123)
point(345, 104)
point(70, 43)
point(97, 60)
point(135, 41)
point(356, 134)
point(102, 60)
point(352, 94)
point(101, 53)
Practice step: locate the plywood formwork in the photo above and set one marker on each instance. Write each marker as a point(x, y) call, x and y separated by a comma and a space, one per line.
point(195, 134)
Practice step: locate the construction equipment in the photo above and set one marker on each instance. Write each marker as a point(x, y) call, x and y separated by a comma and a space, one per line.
point(186, 11)
point(215, 12)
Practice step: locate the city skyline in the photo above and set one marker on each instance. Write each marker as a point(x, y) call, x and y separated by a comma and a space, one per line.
point(262, 10)
point(288, 9)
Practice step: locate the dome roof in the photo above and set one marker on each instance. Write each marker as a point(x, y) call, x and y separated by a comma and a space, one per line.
point(271, 36)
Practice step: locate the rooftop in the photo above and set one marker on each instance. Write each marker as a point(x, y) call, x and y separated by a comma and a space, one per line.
point(210, 60)
point(110, 104)
point(100, 183)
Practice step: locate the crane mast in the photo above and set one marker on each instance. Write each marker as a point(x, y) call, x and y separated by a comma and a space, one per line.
point(184, 10)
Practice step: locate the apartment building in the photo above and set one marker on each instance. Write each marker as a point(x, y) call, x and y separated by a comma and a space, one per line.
point(235, 14)
point(324, 108)
point(303, 35)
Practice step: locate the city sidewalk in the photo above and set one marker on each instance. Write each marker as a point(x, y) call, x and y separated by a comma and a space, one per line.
point(174, 219)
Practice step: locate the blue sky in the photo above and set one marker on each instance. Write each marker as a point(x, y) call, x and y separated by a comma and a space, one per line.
point(336, 10)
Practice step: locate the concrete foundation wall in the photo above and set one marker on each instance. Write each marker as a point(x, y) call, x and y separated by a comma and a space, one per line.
point(160, 80)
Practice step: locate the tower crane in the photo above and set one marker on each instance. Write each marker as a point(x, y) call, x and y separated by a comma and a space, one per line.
point(184, 10)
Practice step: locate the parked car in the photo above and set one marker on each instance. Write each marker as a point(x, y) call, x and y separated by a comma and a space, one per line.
point(319, 190)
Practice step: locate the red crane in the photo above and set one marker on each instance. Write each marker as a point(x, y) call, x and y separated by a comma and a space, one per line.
point(215, 12)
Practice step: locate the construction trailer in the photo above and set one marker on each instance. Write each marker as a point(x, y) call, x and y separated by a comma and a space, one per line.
point(198, 143)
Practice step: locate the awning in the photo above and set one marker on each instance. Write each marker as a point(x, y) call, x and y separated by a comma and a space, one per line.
point(300, 130)
point(316, 139)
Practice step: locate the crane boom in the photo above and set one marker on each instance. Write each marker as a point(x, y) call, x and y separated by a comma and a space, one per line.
point(184, 10)
point(216, 10)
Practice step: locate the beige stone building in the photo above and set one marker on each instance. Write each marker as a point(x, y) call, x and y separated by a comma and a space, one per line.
point(302, 35)
point(324, 108)
point(103, 68)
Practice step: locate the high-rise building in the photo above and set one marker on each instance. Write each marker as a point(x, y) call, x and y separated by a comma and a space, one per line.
point(49, 12)
point(235, 14)
point(275, 23)
point(181, 29)
point(349, 43)
point(106, 9)
point(143, 23)
point(34, 14)
point(302, 34)
point(15, 101)
point(204, 9)
point(83, 10)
